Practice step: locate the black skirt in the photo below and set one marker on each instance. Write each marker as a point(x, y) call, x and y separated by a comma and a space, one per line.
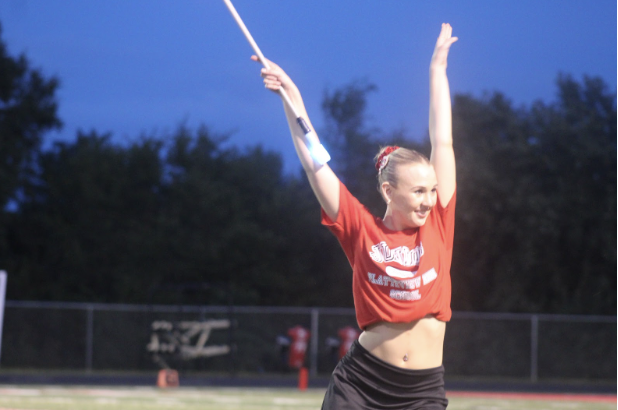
point(362, 381)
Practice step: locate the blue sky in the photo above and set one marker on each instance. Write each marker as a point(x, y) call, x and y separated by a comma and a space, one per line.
point(133, 67)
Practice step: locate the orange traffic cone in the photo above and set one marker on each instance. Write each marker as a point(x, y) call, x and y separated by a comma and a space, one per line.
point(167, 378)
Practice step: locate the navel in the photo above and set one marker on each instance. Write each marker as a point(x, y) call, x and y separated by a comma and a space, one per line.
point(405, 357)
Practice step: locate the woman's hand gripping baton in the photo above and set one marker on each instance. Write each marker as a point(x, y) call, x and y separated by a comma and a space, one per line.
point(317, 150)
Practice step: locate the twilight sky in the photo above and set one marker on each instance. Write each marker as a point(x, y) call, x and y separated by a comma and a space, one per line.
point(133, 67)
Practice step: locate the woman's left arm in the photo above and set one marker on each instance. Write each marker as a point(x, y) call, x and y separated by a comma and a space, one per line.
point(440, 123)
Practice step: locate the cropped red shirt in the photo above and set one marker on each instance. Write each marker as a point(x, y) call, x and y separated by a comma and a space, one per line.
point(398, 276)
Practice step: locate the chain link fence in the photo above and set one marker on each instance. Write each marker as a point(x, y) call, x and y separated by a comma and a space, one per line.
point(108, 337)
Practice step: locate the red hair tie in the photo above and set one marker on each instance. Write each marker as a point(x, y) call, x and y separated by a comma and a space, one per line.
point(383, 158)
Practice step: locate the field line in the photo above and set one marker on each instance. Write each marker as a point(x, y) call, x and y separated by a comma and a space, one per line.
point(596, 398)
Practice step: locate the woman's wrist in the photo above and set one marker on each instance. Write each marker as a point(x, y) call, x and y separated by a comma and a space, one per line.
point(437, 67)
point(294, 94)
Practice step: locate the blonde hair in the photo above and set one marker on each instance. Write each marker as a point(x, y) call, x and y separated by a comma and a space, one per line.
point(397, 156)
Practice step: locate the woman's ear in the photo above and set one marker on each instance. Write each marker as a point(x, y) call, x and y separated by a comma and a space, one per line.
point(386, 190)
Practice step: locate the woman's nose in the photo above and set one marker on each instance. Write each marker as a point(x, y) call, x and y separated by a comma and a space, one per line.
point(429, 199)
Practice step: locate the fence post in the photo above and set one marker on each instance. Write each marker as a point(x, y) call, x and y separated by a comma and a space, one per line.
point(313, 364)
point(2, 298)
point(89, 336)
point(534, 348)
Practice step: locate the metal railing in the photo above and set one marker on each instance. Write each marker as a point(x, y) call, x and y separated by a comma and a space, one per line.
point(534, 320)
point(95, 336)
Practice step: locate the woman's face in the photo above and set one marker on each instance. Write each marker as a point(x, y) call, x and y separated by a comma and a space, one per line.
point(413, 196)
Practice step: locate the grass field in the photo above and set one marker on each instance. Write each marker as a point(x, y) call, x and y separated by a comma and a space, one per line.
point(126, 398)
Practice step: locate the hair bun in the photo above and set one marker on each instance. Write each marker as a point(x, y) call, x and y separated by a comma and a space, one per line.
point(383, 158)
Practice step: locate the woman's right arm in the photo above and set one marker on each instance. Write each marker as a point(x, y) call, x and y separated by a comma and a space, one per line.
point(323, 180)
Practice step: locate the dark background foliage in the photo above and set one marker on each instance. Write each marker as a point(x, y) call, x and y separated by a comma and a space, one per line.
point(180, 219)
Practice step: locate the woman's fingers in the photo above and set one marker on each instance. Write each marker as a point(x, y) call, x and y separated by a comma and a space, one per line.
point(273, 76)
point(445, 37)
point(272, 87)
point(272, 80)
point(273, 70)
point(270, 72)
point(447, 30)
point(256, 58)
point(267, 61)
point(443, 44)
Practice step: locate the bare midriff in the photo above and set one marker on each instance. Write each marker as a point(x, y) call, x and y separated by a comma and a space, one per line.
point(414, 345)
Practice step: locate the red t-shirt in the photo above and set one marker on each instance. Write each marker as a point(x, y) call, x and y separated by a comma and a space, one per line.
point(398, 276)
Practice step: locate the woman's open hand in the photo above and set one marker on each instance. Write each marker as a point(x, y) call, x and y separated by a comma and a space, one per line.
point(445, 40)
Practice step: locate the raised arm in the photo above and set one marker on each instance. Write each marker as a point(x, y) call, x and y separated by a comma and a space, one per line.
point(440, 122)
point(323, 180)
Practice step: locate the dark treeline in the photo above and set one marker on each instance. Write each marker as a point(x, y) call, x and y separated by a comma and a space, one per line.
point(180, 218)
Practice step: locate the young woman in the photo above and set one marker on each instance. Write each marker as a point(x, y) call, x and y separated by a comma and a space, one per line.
point(401, 263)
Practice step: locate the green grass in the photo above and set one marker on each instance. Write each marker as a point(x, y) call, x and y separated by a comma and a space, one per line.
point(130, 398)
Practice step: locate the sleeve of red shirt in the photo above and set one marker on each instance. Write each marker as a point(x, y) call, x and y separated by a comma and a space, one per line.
point(447, 220)
point(349, 219)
